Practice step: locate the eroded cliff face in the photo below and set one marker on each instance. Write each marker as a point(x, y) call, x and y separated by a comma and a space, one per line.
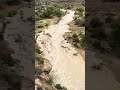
point(16, 35)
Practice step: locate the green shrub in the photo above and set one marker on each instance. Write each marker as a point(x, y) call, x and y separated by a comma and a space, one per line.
point(40, 59)
point(79, 22)
point(38, 50)
point(50, 11)
point(80, 9)
point(82, 41)
point(41, 26)
point(38, 71)
point(74, 35)
point(37, 18)
point(58, 86)
point(49, 80)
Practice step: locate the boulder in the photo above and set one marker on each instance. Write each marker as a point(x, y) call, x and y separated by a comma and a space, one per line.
point(47, 66)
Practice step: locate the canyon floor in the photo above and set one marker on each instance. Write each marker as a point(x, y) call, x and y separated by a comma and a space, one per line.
point(68, 66)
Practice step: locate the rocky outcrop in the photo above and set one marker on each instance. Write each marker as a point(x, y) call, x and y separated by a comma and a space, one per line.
point(47, 66)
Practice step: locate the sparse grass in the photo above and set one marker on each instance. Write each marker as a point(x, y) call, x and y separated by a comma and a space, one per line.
point(38, 50)
point(38, 71)
point(59, 87)
point(82, 41)
point(40, 59)
point(81, 9)
point(78, 40)
point(49, 80)
point(80, 22)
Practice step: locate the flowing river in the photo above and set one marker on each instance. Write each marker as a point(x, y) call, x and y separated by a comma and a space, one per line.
point(67, 69)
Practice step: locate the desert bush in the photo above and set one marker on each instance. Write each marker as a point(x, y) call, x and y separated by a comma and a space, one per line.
point(52, 11)
point(38, 71)
point(48, 12)
point(40, 26)
point(80, 9)
point(59, 87)
point(38, 50)
point(37, 18)
point(78, 40)
point(80, 22)
point(82, 41)
point(49, 80)
point(40, 59)
point(74, 35)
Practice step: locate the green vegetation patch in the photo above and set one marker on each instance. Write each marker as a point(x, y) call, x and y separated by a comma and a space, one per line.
point(49, 80)
point(59, 87)
point(51, 11)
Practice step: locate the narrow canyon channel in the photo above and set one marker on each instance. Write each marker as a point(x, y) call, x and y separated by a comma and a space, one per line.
point(68, 69)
